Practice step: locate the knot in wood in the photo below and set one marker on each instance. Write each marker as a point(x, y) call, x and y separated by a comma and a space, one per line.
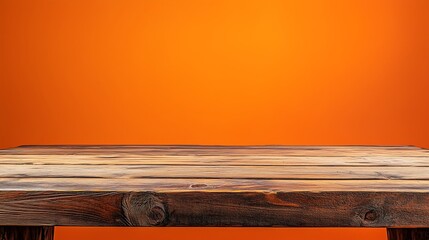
point(143, 209)
point(371, 215)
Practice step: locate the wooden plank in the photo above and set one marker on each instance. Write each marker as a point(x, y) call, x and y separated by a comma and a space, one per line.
point(310, 186)
point(210, 172)
point(244, 160)
point(294, 209)
point(210, 185)
point(26, 233)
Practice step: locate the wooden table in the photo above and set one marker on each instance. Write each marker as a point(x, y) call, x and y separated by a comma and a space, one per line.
point(283, 186)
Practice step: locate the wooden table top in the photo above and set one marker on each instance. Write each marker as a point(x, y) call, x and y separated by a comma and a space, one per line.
point(187, 185)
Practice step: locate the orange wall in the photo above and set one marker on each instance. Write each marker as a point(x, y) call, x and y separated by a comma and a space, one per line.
point(214, 72)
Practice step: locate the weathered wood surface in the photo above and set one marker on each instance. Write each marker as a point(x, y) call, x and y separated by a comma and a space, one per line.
point(199, 208)
point(213, 185)
point(309, 186)
point(213, 172)
point(26, 233)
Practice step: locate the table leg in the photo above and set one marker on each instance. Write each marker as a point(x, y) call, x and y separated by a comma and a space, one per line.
point(408, 233)
point(26, 233)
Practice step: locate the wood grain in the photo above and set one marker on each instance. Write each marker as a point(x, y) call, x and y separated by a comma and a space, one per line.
point(221, 160)
point(213, 172)
point(294, 209)
point(208, 185)
point(26, 233)
point(309, 186)
point(408, 233)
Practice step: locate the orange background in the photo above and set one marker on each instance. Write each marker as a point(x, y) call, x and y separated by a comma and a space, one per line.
point(214, 72)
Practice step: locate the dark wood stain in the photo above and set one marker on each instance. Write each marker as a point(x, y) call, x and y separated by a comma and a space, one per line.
point(26, 233)
point(408, 233)
point(199, 208)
